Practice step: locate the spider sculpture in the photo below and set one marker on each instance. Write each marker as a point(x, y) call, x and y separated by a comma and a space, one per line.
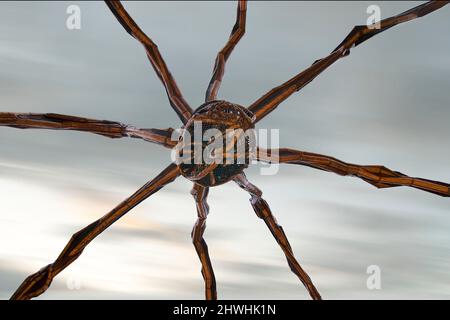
point(220, 115)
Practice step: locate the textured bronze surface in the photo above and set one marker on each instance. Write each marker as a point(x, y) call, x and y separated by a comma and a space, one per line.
point(38, 282)
point(268, 102)
point(105, 128)
point(379, 176)
point(263, 212)
point(176, 99)
point(200, 194)
point(219, 66)
point(220, 115)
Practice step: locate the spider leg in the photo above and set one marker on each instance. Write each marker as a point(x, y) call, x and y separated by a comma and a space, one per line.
point(110, 129)
point(267, 103)
point(379, 176)
point(200, 194)
point(262, 210)
point(176, 99)
point(39, 282)
point(219, 66)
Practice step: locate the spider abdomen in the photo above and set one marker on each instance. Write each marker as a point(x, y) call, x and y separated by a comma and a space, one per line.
point(216, 143)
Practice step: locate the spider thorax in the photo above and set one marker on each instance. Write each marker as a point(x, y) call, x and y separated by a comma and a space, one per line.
point(216, 143)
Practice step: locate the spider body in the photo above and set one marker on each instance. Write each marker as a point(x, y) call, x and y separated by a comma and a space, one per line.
point(217, 118)
point(216, 143)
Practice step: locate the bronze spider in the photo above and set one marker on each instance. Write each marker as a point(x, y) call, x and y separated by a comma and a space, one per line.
point(215, 112)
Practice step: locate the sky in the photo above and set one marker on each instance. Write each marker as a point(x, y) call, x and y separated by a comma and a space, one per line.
point(387, 103)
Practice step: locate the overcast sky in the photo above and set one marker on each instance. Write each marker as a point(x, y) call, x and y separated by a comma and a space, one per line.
point(387, 103)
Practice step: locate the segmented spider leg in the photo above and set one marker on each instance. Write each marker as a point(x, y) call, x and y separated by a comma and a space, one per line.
point(379, 176)
point(200, 194)
point(268, 102)
point(176, 99)
point(263, 212)
point(39, 282)
point(110, 129)
point(219, 66)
